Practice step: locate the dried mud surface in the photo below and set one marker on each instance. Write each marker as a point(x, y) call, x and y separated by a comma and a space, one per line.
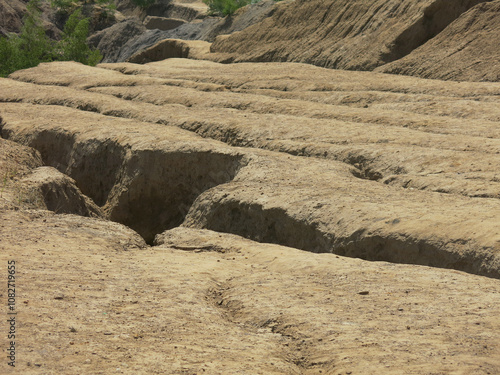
point(203, 184)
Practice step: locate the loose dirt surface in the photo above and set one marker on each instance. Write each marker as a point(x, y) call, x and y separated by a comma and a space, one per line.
point(201, 167)
point(465, 51)
point(342, 34)
point(93, 300)
point(11, 15)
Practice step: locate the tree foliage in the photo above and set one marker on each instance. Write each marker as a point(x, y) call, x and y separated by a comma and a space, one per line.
point(32, 46)
point(67, 6)
point(62, 4)
point(226, 7)
point(73, 45)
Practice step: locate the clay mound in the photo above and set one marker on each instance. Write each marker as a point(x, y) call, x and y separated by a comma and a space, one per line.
point(172, 48)
point(162, 23)
point(27, 183)
point(17, 160)
point(342, 34)
point(138, 44)
point(52, 190)
point(467, 50)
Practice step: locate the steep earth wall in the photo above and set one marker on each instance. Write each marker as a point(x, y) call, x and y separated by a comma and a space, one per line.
point(467, 50)
point(206, 30)
point(342, 34)
point(11, 13)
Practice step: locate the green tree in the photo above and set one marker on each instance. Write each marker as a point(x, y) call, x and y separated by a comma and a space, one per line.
point(67, 5)
point(62, 5)
point(73, 45)
point(32, 46)
point(226, 7)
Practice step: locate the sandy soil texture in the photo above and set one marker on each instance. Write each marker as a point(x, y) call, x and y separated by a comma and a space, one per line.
point(452, 40)
point(188, 217)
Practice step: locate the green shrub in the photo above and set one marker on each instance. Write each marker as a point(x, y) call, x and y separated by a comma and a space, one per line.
point(32, 46)
point(29, 48)
point(226, 7)
point(73, 45)
point(63, 5)
point(67, 5)
point(106, 3)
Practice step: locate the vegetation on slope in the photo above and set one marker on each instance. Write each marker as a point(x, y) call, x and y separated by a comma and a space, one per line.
point(226, 7)
point(67, 6)
point(143, 3)
point(32, 46)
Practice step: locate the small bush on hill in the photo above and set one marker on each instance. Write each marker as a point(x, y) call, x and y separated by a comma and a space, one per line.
point(29, 48)
point(62, 4)
point(73, 45)
point(32, 46)
point(66, 6)
point(226, 7)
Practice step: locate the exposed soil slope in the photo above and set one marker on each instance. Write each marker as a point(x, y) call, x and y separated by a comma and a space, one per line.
point(92, 299)
point(356, 192)
point(360, 164)
point(467, 50)
point(211, 27)
point(111, 40)
point(172, 48)
point(11, 14)
point(342, 34)
point(182, 9)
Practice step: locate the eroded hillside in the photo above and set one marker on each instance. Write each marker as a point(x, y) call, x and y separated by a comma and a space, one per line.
point(440, 39)
point(208, 191)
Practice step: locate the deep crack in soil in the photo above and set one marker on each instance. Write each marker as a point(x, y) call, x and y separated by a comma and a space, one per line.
point(148, 190)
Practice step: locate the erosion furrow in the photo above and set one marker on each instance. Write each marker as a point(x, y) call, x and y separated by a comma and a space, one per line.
point(149, 189)
point(328, 317)
point(416, 116)
point(362, 189)
point(402, 156)
point(155, 177)
point(297, 78)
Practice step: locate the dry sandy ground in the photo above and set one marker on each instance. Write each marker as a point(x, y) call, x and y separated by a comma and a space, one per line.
point(361, 164)
point(91, 299)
